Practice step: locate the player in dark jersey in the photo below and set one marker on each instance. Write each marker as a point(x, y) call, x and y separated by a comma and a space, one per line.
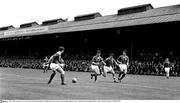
point(56, 64)
point(167, 66)
point(109, 67)
point(97, 64)
point(123, 61)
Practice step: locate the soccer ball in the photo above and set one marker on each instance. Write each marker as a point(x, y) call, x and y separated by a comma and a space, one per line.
point(74, 80)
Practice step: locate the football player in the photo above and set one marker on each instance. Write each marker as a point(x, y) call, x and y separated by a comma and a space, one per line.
point(109, 67)
point(167, 67)
point(123, 61)
point(97, 64)
point(56, 64)
point(45, 65)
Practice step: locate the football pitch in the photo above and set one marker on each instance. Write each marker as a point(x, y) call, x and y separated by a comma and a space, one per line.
point(31, 84)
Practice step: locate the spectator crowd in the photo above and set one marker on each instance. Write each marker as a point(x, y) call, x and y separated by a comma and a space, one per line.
point(143, 63)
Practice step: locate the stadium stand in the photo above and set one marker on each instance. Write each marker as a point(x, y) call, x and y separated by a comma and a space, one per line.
point(26, 47)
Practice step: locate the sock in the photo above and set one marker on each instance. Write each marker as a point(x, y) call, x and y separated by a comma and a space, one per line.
point(119, 76)
point(167, 75)
point(114, 77)
point(122, 76)
point(95, 78)
point(104, 74)
point(51, 77)
point(62, 78)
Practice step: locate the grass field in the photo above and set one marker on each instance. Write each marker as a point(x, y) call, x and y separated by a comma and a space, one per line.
point(29, 84)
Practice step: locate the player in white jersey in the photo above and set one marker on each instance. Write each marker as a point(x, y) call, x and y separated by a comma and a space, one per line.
point(109, 67)
point(97, 64)
point(56, 64)
point(45, 64)
point(123, 61)
point(167, 67)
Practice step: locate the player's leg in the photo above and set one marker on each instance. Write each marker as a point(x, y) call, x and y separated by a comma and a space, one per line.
point(124, 68)
point(53, 67)
point(167, 70)
point(106, 69)
point(102, 71)
point(62, 75)
point(52, 76)
point(120, 71)
point(96, 71)
point(94, 75)
point(119, 76)
point(46, 69)
point(123, 75)
point(43, 67)
point(111, 70)
point(113, 75)
point(93, 69)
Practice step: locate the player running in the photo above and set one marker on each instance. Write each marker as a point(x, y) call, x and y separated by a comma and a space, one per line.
point(45, 65)
point(109, 67)
point(56, 64)
point(167, 67)
point(123, 63)
point(97, 64)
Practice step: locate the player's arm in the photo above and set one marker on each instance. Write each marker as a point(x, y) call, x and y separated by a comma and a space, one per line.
point(171, 65)
point(127, 61)
point(163, 64)
point(93, 59)
point(118, 60)
point(106, 59)
point(114, 61)
point(61, 60)
point(103, 61)
point(52, 58)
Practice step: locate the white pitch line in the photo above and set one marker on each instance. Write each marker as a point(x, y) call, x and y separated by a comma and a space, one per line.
point(149, 87)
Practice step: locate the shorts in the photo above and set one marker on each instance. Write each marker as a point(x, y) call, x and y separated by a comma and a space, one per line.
point(45, 65)
point(95, 68)
point(167, 69)
point(108, 69)
point(123, 68)
point(54, 66)
point(62, 65)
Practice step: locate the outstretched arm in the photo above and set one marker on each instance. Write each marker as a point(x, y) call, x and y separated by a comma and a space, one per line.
point(114, 61)
point(118, 60)
point(92, 61)
point(50, 59)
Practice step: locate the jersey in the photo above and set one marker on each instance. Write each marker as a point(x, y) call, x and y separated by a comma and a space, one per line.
point(57, 57)
point(97, 60)
point(166, 64)
point(123, 59)
point(110, 61)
